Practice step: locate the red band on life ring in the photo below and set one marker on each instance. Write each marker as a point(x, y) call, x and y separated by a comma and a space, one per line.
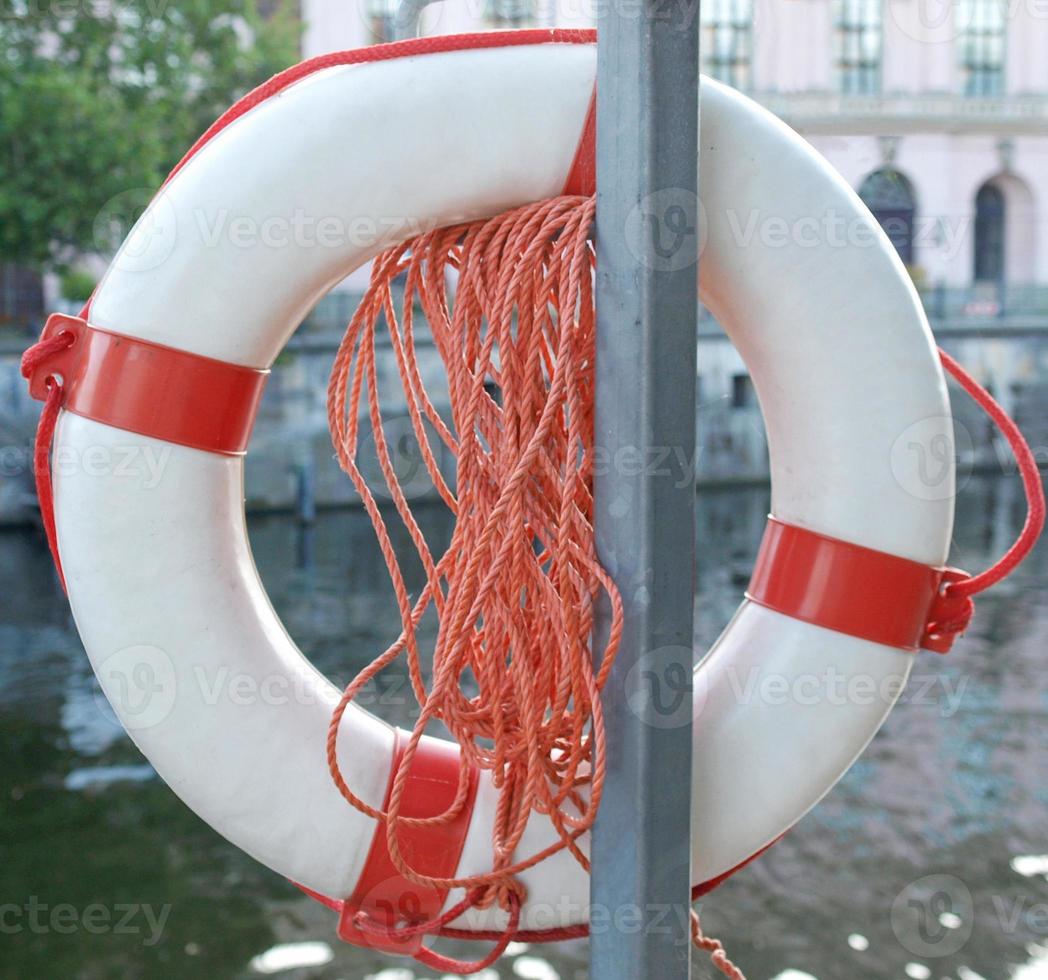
point(582, 178)
point(151, 389)
point(382, 894)
point(851, 589)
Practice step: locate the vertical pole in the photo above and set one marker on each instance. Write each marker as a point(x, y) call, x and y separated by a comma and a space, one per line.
point(647, 254)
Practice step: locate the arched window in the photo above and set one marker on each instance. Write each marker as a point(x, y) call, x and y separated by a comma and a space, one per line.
point(888, 194)
point(981, 43)
point(727, 40)
point(989, 234)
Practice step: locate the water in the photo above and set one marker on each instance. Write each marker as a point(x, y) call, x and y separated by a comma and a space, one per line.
point(104, 873)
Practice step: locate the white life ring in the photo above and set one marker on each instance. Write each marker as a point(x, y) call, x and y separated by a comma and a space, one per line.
point(831, 330)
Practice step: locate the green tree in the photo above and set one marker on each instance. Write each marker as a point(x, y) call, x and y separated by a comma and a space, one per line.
point(100, 98)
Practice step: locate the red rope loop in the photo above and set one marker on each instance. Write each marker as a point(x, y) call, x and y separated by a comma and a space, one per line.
point(35, 357)
point(954, 610)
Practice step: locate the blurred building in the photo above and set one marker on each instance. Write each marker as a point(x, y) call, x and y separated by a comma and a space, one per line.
point(934, 111)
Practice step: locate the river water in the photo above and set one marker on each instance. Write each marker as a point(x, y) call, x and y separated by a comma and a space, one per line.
point(928, 861)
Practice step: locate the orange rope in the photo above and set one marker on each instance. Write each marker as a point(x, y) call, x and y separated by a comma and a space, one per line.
point(718, 957)
point(515, 590)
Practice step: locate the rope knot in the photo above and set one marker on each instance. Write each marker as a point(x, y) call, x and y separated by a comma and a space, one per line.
point(55, 339)
point(950, 614)
point(507, 894)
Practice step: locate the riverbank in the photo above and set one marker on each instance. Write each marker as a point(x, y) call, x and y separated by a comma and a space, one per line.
point(290, 466)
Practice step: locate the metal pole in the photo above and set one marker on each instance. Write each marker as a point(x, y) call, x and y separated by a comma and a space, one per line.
point(647, 254)
point(408, 18)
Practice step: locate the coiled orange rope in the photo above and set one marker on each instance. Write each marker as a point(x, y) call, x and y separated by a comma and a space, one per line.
point(516, 589)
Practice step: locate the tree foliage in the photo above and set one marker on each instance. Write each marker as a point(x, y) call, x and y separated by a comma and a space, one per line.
point(100, 98)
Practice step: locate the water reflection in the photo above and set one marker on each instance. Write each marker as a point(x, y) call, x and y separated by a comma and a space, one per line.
point(927, 861)
point(291, 956)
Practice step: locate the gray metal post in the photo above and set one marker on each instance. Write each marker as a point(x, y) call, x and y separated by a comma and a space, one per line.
point(407, 18)
point(647, 244)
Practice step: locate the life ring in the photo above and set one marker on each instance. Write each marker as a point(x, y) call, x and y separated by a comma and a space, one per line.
point(416, 135)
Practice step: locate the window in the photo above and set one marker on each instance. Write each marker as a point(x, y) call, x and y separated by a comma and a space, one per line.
point(859, 37)
point(889, 196)
point(510, 13)
point(727, 40)
point(21, 295)
point(989, 234)
point(742, 395)
point(981, 43)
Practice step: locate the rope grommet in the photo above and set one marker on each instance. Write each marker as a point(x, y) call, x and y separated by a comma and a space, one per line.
point(54, 358)
point(949, 614)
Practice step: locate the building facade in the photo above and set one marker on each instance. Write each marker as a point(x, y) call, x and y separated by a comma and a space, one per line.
point(934, 111)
